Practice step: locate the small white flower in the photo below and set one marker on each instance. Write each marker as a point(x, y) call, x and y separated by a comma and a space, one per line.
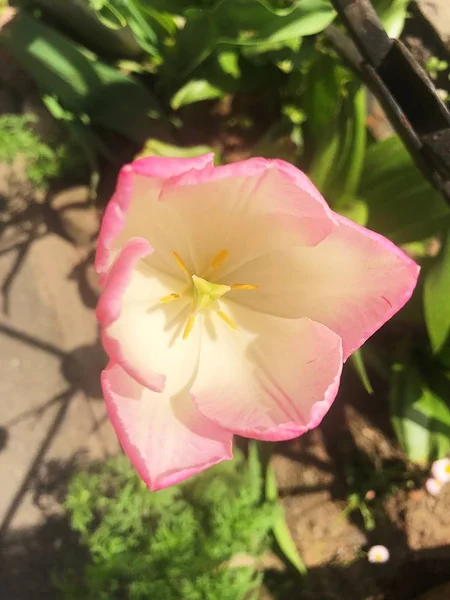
point(378, 554)
point(441, 470)
point(433, 486)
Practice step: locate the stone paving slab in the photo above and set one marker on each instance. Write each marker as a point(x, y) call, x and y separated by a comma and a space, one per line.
point(51, 411)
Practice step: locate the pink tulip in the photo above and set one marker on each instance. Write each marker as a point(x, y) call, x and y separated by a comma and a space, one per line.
point(232, 296)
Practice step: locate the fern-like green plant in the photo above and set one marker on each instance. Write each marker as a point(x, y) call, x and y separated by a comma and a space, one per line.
point(175, 544)
point(42, 162)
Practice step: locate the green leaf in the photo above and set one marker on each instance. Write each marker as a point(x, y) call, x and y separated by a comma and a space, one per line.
point(280, 528)
point(420, 415)
point(335, 106)
point(81, 19)
point(353, 146)
point(229, 61)
point(195, 90)
point(173, 7)
point(392, 14)
point(259, 23)
point(437, 299)
point(353, 208)
point(155, 147)
point(322, 98)
point(402, 204)
point(357, 363)
point(81, 84)
point(321, 103)
point(246, 24)
point(324, 158)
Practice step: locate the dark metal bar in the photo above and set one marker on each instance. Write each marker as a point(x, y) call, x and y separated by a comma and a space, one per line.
point(402, 87)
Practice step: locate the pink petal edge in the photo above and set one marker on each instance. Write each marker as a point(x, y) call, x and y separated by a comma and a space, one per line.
point(291, 430)
point(393, 305)
point(248, 168)
point(110, 305)
point(114, 216)
point(288, 429)
point(136, 457)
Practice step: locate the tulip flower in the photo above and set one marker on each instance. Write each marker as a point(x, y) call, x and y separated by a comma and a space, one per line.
point(232, 296)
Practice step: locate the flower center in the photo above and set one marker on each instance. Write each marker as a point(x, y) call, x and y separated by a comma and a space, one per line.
point(203, 293)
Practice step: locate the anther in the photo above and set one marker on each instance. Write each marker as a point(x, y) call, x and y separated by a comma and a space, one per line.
point(228, 320)
point(219, 258)
point(169, 298)
point(188, 327)
point(180, 262)
point(243, 286)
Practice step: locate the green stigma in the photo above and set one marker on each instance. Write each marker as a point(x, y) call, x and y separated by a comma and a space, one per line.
point(205, 292)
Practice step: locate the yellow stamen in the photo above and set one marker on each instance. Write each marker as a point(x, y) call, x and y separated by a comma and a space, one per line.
point(188, 327)
point(228, 320)
point(243, 286)
point(180, 262)
point(169, 298)
point(219, 258)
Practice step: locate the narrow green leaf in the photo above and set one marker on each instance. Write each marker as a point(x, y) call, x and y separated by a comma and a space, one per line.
point(353, 164)
point(358, 364)
point(437, 299)
point(281, 531)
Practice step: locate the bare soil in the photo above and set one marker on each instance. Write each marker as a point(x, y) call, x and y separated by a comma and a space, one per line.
point(354, 449)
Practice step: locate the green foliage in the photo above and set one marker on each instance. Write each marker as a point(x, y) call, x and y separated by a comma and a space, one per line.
point(82, 85)
point(392, 14)
point(421, 410)
point(402, 204)
point(42, 162)
point(175, 544)
point(434, 66)
point(437, 299)
point(195, 91)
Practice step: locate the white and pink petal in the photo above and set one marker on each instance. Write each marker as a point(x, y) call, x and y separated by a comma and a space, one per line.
point(129, 212)
point(271, 379)
point(247, 208)
point(353, 282)
point(166, 438)
point(139, 332)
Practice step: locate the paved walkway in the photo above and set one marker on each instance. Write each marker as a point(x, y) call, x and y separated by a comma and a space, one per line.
point(52, 416)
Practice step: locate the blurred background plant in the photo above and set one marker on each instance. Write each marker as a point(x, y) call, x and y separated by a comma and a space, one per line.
point(241, 77)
